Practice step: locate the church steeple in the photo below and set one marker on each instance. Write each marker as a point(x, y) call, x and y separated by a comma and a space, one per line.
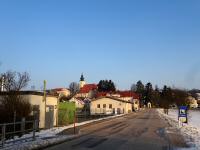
point(82, 81)
point(82, 77)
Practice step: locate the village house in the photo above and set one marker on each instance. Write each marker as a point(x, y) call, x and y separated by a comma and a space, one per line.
point(79, 103)
point(61, 92)
point(192, 102)
point(198, 99)
point(128, 96)
point(110, 105)
point(40, 103)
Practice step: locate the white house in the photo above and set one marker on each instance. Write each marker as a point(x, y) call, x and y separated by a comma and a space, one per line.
point(110, 105)
point(128, 96)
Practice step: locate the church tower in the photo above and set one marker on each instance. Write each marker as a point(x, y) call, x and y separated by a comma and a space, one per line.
point(82, 81)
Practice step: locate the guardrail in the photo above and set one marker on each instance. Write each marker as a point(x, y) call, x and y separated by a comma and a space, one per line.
point(8, 130)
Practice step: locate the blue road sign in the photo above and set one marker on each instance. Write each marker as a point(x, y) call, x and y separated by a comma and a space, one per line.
point(182, 114)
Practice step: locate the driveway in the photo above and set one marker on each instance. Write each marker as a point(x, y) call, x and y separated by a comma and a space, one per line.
point(144, 130)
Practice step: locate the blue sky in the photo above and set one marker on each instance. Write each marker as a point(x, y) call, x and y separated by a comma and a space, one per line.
point(122, 40)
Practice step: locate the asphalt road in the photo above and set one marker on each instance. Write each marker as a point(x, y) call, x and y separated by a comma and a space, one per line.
point(144, 130)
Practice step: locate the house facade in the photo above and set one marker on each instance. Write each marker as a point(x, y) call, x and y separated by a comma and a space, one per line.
point(110, 105)
point(127, 96)
point(79, 103)
point(192, 102)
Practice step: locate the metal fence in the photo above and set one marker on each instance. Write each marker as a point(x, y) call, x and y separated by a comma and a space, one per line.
point(83, 115)
point(67, 116)
point(10, 130)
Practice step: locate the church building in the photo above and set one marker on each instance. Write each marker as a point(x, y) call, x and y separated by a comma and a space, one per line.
point(86, 90)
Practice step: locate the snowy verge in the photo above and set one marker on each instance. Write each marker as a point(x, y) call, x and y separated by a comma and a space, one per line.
point(47, 137)
point(190, 133)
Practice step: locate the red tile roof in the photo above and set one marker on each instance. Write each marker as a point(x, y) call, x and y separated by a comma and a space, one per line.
point(121, 93)
point(128, 94)
point(87, 88)
point(101, 94)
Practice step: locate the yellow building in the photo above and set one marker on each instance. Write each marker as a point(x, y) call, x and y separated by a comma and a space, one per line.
point(110, 105)
point(46, 108)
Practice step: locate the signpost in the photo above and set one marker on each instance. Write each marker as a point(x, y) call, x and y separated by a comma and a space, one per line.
point(182, 115)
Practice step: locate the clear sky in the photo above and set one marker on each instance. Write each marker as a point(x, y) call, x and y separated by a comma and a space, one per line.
point(122, 40)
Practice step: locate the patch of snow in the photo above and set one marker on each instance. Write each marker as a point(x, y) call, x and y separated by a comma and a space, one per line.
point(190, 131)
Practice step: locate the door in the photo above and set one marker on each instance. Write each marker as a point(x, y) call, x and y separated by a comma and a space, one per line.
point(36, 114)
point(49, 117)
point(118, 111)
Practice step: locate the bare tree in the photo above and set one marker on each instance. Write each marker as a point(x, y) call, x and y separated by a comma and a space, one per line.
point(11, 101)
point(15, 81)
point(74, 88)
point(180, 97)
point(14, 103)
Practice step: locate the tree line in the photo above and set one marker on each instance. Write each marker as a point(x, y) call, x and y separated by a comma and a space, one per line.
point(164, 97)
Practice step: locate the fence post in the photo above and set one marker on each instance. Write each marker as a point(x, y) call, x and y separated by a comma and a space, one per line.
point(34, 128)
point(75, 122)
point(14, 120)
point(3, 134)
point(23, 126)
point(85, 114)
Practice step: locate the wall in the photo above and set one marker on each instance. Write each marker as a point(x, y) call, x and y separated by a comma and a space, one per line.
point(38, 100)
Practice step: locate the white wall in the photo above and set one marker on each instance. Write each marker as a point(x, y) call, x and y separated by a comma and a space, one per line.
point(123, 106)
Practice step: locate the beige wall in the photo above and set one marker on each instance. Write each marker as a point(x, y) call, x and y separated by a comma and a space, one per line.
point(38, 100)
point(123, 106)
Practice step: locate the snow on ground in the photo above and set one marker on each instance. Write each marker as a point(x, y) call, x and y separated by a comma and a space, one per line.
point(45, 137)
point(190, 131)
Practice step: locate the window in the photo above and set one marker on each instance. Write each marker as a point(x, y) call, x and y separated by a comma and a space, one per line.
point(110, 106)
point(104, 105)
point(98, 105)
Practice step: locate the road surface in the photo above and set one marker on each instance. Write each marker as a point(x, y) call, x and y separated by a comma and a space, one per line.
point(143, 130)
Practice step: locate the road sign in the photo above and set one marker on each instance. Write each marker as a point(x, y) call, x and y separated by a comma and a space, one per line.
point(182, 114)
